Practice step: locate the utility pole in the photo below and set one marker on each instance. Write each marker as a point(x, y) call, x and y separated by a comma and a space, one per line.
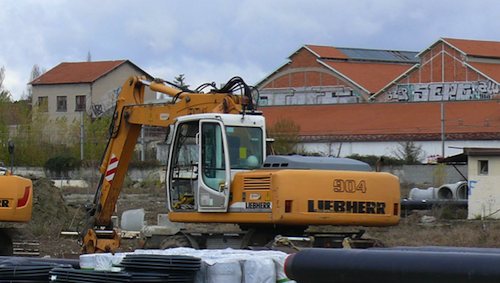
point(82, 131)
point(443, 135)
point(11, 152)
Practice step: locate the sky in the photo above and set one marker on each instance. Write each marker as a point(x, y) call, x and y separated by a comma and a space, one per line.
point(214, 40)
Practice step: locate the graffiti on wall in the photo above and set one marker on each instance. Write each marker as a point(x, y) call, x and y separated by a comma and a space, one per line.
point(443, 91)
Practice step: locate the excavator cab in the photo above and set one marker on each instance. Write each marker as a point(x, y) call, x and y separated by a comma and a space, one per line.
point(207, 150)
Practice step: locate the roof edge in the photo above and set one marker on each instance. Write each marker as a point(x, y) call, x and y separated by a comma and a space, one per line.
point(114, 68)
point(343, 76)
point(258, 84)
point(480, 72)
point(441, 39)
point(306, 46)
point(120, 62)
point(393, 82)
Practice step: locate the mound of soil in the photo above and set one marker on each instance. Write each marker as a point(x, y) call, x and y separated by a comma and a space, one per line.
point(51, 215)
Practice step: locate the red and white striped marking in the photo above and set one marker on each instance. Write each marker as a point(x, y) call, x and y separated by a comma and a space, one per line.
point(111, 170)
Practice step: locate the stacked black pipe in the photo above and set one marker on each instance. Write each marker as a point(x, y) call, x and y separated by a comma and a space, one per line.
point(409, 265)
point(88, 276)
point(19, 269)
point(161, 268)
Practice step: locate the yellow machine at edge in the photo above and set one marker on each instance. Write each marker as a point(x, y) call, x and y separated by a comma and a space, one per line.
point(16, 204)
point(218, 171)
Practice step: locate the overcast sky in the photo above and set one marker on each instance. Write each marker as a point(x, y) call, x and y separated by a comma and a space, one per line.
point(214, 40)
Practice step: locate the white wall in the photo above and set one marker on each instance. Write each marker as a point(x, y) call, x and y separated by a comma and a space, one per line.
point(389, 148)
point(68, 90)
point(307, 96)
point(104, 88)
point(484, 198)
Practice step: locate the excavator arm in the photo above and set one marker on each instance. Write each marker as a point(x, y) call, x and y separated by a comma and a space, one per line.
point(130, 114)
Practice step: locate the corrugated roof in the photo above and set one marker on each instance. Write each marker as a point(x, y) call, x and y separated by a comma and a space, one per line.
point(330, 52)
point(380, 55)
point(370, 76)
point(481, 151)
point(392, 121)
point(77, 72)
point(479, 48)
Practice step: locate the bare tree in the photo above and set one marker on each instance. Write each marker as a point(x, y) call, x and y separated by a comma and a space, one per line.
point(35, 73)
point(4, 94)
point(286, 136)
point(2, 77)
point(409, 152)
point(180, 80)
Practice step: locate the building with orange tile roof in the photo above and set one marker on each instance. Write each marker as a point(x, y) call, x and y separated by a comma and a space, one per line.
point(72, 88)
point(449, 89)
point(329, 75)
point(377, 128)
point(449, 69)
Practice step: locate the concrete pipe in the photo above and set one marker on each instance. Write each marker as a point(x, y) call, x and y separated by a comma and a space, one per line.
point(462, 191)
point(388, 266)
point(458, 190)
point(421, 194)
point(444, 192)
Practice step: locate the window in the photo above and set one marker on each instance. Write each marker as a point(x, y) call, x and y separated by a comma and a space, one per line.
point(61, 104)
point(186, 151)
point(212, 156)
point(263, 100)
point(80, 103)
point(245, 147)
point(483, 167)
point(184, 167)
point(43, 104)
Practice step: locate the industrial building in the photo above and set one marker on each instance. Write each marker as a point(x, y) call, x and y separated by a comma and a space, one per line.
point(349, 100)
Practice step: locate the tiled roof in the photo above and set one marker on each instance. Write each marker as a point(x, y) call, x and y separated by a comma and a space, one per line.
point(370, 76)
point(326, 52)
point(490, 70)
point(77, 72)
point(478, 48)
point(392, 121)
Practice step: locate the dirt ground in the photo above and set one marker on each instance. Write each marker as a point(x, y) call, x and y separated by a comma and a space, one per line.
point(57, 210)
point(63, 210)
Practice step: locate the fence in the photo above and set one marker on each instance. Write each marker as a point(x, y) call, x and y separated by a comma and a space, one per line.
point(411, 174)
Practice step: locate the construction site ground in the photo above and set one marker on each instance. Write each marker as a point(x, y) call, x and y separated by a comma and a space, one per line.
point(62, 210)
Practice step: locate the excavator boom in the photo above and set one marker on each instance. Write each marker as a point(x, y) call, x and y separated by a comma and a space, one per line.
point(130, 114)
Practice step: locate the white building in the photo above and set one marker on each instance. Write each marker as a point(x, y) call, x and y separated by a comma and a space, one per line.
point(92, 87)
point(484, 182)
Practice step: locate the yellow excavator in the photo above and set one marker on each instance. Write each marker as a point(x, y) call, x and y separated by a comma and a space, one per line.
point(218, 172)
point(16, 203)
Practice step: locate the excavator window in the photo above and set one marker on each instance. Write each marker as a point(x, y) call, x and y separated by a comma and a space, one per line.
point(245, 147)
point(212, 156)
point(184, 168)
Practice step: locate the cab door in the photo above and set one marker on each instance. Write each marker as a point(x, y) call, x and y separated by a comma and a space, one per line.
point(214, 167)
